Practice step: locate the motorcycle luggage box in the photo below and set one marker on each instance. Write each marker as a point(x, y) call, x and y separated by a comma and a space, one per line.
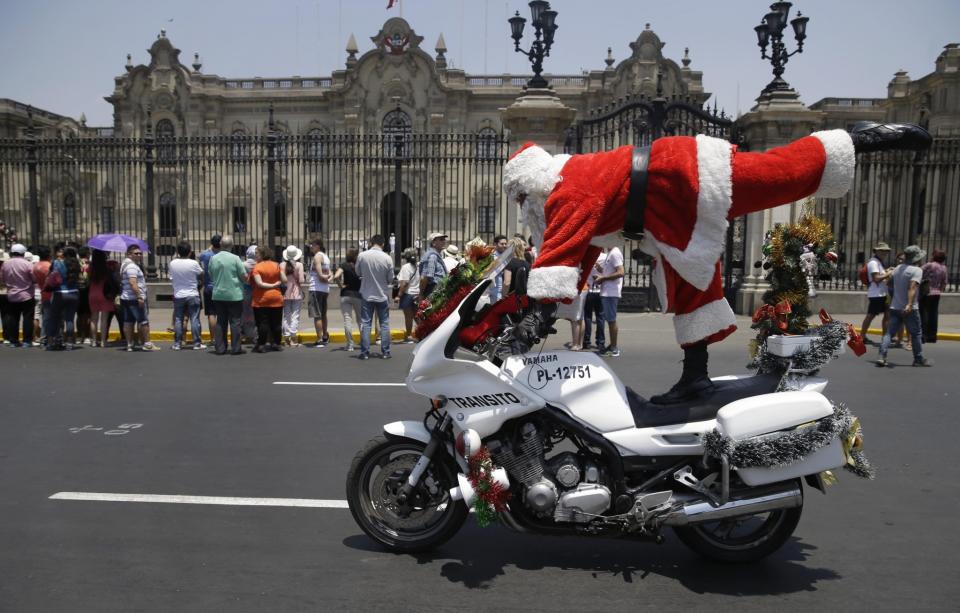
point(768, 414)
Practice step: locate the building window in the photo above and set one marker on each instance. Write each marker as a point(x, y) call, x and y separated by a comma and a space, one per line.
point(397, 132)
point(165, 134)
point(106, 219)
point(239, 145)
point(240, 219)
point(315, 219)
point(69, 212)
point(168, 214)
point(487, 144)
point(486, 219)
point(315, 145)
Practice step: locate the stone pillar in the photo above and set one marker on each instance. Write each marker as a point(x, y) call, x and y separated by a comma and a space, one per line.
point(538, 116)
point(778, 118)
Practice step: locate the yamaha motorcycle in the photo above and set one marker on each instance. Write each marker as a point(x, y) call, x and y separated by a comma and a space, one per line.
point(580, 453)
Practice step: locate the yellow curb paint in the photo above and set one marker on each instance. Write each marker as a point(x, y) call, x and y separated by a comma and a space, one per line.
point(941, 336)
point(311, 337)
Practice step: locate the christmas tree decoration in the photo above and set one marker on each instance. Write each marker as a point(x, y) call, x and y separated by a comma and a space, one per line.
point(492, 495)
point(452, 289)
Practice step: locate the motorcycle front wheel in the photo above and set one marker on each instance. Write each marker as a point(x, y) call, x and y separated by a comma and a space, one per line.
point(741, 539)
point(377, 474)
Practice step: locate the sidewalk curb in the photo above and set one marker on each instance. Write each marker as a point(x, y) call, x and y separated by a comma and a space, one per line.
point(941, 336)
point(304, 338)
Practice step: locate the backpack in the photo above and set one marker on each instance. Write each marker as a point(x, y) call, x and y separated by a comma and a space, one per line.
point(864, 277)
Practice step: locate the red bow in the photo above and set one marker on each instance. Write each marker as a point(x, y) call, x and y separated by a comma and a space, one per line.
point(854, 340)
point(776, 313)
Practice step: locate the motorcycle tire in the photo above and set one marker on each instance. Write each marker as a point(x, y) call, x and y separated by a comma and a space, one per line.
point(369, 491)
point(774, 528)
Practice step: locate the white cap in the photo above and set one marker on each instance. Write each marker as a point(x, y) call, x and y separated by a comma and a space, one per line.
point(18, 248)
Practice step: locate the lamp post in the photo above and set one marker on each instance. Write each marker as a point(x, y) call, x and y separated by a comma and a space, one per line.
point(543, 20)
point(770, 31)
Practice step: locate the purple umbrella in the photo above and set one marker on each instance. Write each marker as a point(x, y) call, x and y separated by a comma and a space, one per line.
point(116, 242)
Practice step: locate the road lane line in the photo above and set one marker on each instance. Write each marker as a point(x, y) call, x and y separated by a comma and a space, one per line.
point(339, 384)
point(221, 500)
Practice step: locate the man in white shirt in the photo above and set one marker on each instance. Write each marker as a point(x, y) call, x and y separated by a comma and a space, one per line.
point(611, 286)
point(903, 308)
point(185, 276)
point(375, 269)
point(877, 289)
point(593, 306)
point(320, 275)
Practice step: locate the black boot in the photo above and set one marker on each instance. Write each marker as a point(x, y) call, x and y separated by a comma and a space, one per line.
point(694, 380)
point(869, 136)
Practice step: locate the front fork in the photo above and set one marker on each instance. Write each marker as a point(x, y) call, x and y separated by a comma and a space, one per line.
point(436, 442)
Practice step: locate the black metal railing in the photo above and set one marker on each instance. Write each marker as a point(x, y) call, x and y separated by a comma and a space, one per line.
point(900, 198)
point(342, 187)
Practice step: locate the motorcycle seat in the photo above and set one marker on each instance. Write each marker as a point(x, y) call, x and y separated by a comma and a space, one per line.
point(705, 406)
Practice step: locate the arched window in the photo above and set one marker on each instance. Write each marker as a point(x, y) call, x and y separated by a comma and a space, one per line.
point(69, 212)
point(315, 147)
point(239, 145)
point(166, 149)
point(168, 214)
point(487, 145)
point(397, 131)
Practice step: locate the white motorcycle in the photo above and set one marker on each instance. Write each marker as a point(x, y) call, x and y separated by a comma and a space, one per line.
point(582, 454)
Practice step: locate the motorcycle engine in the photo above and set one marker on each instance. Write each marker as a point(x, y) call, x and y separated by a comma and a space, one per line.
point(567, 487)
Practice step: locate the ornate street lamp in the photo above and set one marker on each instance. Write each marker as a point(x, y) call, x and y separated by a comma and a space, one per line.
point(544, 22)
point(770, 31)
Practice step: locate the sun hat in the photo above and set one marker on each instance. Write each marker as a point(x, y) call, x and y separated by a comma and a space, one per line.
point(452, 250)
point(18, 248)
point(28, 256)
point(251, 252)
point(292, 253)
point(4, 256)
point(434, 236)
point(914, 254)
point(881, 246)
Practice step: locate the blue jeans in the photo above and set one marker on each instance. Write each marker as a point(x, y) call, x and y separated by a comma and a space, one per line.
point(912, 321)
point(366, 323)
point(609, 307)
point(593, 306)
point(190, 305)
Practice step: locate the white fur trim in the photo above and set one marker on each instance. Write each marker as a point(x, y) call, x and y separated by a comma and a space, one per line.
point(553, 282)
point(698, 261)
point(533, 171)
point(614, 239)
point(841, 163)
point(700, 323)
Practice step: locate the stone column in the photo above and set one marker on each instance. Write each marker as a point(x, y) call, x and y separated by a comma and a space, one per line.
point(540, 117)
point(778, 118)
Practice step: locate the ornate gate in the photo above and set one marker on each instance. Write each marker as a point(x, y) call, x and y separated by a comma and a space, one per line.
point(640, 120)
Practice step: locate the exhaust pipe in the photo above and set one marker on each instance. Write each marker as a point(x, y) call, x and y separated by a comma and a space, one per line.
point(782, 496)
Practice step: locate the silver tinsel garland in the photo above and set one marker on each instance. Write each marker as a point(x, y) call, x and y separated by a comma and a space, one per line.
point(830, 337)
point(782, 449)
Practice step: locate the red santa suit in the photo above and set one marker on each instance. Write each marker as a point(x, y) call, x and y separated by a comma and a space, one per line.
point(694, 186)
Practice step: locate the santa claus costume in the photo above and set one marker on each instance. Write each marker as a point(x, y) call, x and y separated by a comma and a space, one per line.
point(694, 185)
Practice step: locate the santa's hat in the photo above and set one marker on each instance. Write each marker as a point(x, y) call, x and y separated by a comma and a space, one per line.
point(532, 171)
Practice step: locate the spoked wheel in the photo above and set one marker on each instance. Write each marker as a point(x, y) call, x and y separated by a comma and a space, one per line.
point(376, 476)
point(741, 539)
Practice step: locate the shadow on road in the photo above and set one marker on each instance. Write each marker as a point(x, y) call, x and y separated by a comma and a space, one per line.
point(475, 560)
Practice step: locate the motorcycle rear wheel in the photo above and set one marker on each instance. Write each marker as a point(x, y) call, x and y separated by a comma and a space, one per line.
point(376, 474)
point(741, 539)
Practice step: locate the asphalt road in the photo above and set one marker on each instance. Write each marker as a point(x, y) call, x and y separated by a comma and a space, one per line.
point(218, 426)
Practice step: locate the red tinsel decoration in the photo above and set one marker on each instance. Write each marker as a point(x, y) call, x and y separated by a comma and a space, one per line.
point(426, 325)
point(491, 496)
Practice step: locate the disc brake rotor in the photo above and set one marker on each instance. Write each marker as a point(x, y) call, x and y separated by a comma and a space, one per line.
point(386, 486)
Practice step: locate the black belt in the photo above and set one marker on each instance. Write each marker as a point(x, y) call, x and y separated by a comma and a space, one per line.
point(637, 196)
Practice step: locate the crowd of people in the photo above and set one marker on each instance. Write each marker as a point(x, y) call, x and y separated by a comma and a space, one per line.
point(907, 297)
point(68, 295)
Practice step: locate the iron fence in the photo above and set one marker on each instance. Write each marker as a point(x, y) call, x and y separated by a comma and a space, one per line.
point(900, 198)
point(341, 187)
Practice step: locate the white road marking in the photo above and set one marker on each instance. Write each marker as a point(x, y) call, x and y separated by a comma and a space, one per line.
point(339, 384)
point(221, 500)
